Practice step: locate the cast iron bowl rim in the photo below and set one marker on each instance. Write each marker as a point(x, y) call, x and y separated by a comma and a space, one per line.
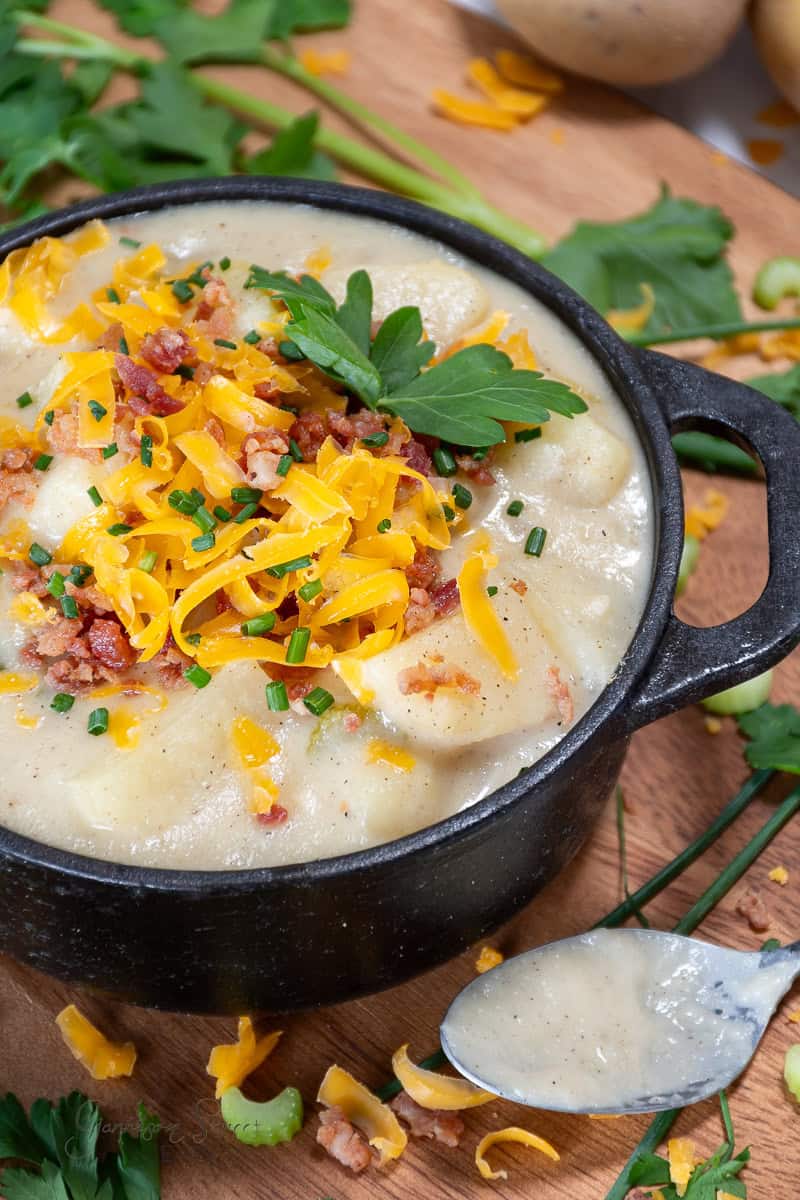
point(619, 362)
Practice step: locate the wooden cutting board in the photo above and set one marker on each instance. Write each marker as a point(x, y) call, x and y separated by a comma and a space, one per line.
point(592, 154)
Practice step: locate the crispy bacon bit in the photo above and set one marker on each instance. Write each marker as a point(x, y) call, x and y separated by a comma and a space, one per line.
point(420, 612)
point(417, 457)
point(444, 1127)
point(267, 390)
point(61, 650)
point(263, 451)
point(269, 346)
point(754, 910)
point(478, 471)
point(147, 396)
point(423, 572)
point(222, 602)
point(276, 816)
point(299, 680)
point(170, 663)
point(214, 427)
point(166, 349)
point(351, 722)
point(25, 578)
point(110, 338)
point(109, 645)
point(202, 373)
point(214, 313)
point(560, 694)
point(342, 1141)
point(427, 678)
point(16, 477)
point(309, 431)
point(519, 586)
point(350, 429)
point(445, 598)
point(62, 435)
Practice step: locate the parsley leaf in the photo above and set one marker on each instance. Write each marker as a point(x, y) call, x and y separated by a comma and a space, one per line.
point(291, 152)
point(304, 16)
point(137, 1168)
point(17, 1138)
point(140, 17)
point(397, 350)
point(297, 294)
point(677, 247)
point(717, 1174)
point(782, 386)
point(234, 35)
point(24, 1185)
point(355, 315)
point(774, 737)
point(321, 339)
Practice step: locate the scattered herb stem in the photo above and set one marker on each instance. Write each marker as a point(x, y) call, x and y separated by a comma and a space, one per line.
point(649, 890)
point(623, 859)
point(715, 332)
point(657, 1130)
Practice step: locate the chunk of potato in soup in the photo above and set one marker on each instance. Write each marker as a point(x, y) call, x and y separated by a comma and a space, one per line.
point(412, 714)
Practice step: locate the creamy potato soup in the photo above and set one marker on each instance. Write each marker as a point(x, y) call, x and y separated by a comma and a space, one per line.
point(288, 572)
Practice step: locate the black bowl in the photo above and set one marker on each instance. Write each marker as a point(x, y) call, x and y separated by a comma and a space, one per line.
point(322, 932)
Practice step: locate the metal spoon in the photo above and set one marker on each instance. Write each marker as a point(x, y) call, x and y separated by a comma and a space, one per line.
point(616, 1021)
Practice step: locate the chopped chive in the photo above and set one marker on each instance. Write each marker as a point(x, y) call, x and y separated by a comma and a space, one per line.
point(481, 454)
point(528, 435)
point(258, 626)
point(197, 675)
point(94, 496)
point(48, 416)
point(119, 528)
point(375, 439)
point(535, 542)
point(224, 263)
point(25, 400)
point(203, 519)
point(38, 555)
point(42, 462)
point(462, 496)
point(444, 461)
point(295, 451)
point(245, 495)
point(183, 502)
point(318, 701)
point(62, 702)
point(182, 291)
point(69, 607)
point(97, 410)
point(205, 541)
point(290, 351)
point(309, 590)
point(110, 450)
point(146, 450)
point(194, 639)
point(277, 699)
point(148, 561)
point(56, 586)
point(298, 645)
point(184, 371)
point(515, 508)
point(245, 514)
point(113, 296)
point(98, 721)
point(491, 590)
point(225, 343)
point(294, 564)
point(449, 513)
point(284, 463)
point(197, 276)
point(252, 338)
point(79, 574)
point(384, 526)
point(221, 513)
point(197, 496)
point(123, 345)
point(290, 408)
point(131, 242)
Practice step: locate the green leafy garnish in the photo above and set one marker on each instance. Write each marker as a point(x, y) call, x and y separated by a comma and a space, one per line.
point(774, 737)
point(58, 1145)
point(140, 17)
point(460, 400)
point(234, 35)
point(292, 152)
point(677, 247)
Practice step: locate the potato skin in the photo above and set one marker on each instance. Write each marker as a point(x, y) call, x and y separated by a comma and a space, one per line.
point(776, 26)
point(627, 42)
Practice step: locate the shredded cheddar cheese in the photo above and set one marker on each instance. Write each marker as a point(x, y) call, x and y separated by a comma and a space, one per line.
point(364, 1110)
point(712, 725)
point(630, 320)
point(488, 959)
point(471, 112)
point(779, 875)
point(520, 104)
point(230, 1064)
point(333, 62)
point(681, 1156)
point(102, 1058)
point(433, 1091)
point(379, 751)
point(794, 1016)
point(479, 614)
point(702, 520)
point(13, 683)
point(512, 1134)
point(521, 70)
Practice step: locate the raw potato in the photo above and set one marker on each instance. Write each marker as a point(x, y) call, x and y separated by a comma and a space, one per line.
point(628, 42)
point(776, 26)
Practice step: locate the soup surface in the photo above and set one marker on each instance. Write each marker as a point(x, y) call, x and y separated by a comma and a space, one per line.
point(244, 618)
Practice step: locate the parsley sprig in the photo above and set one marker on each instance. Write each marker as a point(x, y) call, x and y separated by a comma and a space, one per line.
point(460, 400)
point(57, 1147)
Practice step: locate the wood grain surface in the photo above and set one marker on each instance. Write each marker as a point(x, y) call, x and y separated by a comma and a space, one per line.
point(592, 154)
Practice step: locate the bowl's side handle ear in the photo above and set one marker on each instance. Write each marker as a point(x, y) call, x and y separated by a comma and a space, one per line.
point(693, 663)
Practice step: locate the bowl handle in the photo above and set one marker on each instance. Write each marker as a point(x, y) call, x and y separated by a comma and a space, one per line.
point(691, 663)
